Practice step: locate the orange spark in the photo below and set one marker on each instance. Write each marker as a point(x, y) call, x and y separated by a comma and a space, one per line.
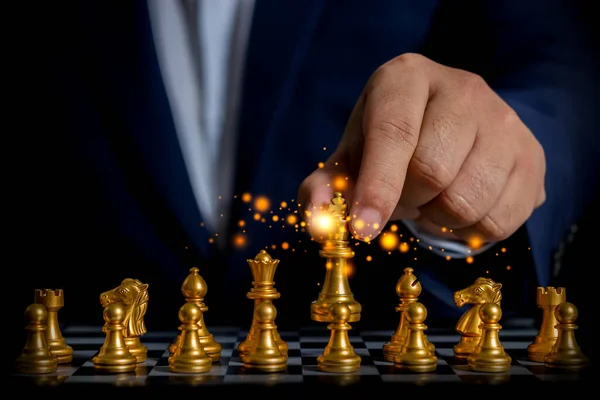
point(262, 204)
point(246, 197)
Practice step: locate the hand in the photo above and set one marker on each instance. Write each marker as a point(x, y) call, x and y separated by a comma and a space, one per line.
point(436, 145)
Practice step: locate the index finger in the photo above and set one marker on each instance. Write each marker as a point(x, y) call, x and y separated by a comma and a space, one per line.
point(394, 105)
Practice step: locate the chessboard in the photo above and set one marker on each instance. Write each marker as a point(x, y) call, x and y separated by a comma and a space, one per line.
point(305, 345)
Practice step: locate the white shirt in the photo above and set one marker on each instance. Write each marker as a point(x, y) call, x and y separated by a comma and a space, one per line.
point(201, 47)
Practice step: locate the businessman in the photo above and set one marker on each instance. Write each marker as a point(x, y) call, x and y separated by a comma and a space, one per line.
point(462, 121)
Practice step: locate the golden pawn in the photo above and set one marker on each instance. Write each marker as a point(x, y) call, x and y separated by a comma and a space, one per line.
point(265, 355)
point(194, 289)
point(54, 300)
point(339, 355)
point(547, 299)
point(566, 353)
point(408, 289)
point(416, 354)
point(190, 357)
point(489, 355)
point(263, 272)
point(333, 225)
point(114, 355)
point(36, 357)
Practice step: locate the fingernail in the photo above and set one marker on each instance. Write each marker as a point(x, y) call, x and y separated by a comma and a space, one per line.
point(366, 223)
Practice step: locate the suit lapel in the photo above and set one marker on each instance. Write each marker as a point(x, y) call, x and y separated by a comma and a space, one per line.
point(280, 36)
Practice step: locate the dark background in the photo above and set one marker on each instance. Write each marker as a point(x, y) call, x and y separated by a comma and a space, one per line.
point(49, 201)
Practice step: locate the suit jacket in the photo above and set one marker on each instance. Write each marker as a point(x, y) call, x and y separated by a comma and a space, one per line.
point(113, 177)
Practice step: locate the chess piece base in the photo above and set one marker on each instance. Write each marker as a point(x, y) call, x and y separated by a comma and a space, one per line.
point(60, 350)
point(349, 364)
point(38, 366)
point(416, 362)
point(392, 348)
point(540, 348)
point(137, 349)
point(268, 364)
point(125, 366)
point(249, 345)
point(489, 364)
point(572, 363)
point(466, 346)
point(190, 366)
point(211, 347)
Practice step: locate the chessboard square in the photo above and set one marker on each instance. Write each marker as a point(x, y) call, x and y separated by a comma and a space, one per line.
point(187, 380)
point(262, 379)
point(313, 340)
point(514, 370)
point(243, 370)
point(391, 369)
point(159, 336)
point(363, 371)
point(341, 380)
point(444, 352)
point(226, 341)
point(84, 354)
point(85, 342)
point(114, 379)
point(444, 340)
point(375, 345)
point(294, 345)
point(377, 335)
point(492, 379)
point(226, 352)
point(514, 345)
point(155, 353)
point(420, 378)
point(163, 370)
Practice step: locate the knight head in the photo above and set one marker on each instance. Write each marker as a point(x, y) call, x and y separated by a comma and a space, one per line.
point(483, 290)
point(133, 295)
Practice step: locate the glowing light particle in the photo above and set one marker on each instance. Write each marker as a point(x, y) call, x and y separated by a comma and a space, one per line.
point(469, 260)
point(285, 245)
point(369, 258)
point(262, 204)
point(394, 228)
point(404, 247)
point(340, 184)
point(275, 218)
point(388, 241)
point(321, 165)
point(256, 217)
point(241, 223)
point(239, 240)
point(246, 197)
point(283, 204)
point(292, 219)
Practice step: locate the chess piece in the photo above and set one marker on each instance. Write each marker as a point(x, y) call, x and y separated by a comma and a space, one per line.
point(483, 290)
point(265, 354)
point(133, 296)
point(547, 299)
point(416, 354)
point(36, 357)
point(53, 300)
point(194, 289)
point(339, 355)
point(408, 289)
point(190, 357)
point(263, 289)
point(489, 355)
point(114, 355)
point(566, 353)
point(335, 249)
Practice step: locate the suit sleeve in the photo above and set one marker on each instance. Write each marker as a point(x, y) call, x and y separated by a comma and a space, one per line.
point(539, 57)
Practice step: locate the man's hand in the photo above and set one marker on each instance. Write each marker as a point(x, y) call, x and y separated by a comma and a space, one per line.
point(436, 145)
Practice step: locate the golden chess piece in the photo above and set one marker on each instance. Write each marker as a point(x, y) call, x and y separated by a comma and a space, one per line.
point(190, 357)
point(566, 353)
point(483, 290)
point(547, 299)
point(335, 249)
point(339, 355)
point(263, 289)
point(416, 354)
point(408, 289)
point(194, 289)
point(54, 300)
point(489, 355)
point(36, 357)
point(265, 354)
point(133, 295)
point(114, 355)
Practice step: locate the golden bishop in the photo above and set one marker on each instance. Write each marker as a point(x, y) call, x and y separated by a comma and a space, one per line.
point(335, 249)
point(194, 289)
point(408, 289)
point(263, 272)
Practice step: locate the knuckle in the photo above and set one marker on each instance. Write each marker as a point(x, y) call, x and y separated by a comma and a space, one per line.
point(430, 172)
point(461, 210)
point(494, 229)
point(472, 83)
point(399, 133)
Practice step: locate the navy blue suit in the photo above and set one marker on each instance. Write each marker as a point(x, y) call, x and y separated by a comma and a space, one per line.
point(307, 63)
